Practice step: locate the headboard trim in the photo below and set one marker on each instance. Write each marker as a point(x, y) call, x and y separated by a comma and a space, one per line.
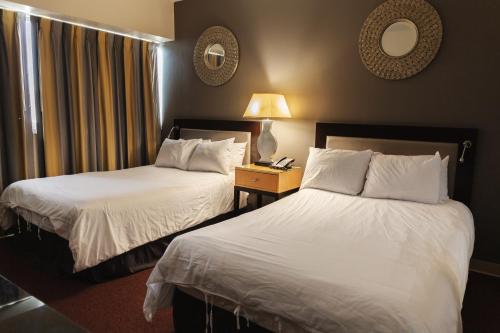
point(464, 170)
point(221, 125)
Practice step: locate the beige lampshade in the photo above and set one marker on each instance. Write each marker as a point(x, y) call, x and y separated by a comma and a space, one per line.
point(267, 106)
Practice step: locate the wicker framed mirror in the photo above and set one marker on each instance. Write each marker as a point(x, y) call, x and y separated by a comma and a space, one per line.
point(400, 38)
point(216, 56)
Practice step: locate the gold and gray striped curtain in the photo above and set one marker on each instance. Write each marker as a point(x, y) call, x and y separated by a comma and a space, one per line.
point(20, 146)
point(98, 99)
point(11, 120)
point(94, 106)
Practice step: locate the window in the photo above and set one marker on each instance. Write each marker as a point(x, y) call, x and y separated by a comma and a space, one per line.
point(160, 62)
point(28, 63)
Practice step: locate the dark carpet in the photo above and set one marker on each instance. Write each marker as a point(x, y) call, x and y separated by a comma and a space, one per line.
point(481, 310)
point(116, 306)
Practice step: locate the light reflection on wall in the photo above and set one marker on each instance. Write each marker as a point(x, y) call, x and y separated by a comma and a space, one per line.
point(293, 61)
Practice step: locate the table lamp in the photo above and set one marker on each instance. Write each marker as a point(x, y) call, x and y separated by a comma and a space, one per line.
point(267, 106)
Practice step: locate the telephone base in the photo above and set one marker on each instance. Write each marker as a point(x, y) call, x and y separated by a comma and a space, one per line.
point(281, 168)
point(263, 163)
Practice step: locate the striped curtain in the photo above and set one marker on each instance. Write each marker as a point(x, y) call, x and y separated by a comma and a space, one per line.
point(20, 144)
point(98, 99)
point(11, 119)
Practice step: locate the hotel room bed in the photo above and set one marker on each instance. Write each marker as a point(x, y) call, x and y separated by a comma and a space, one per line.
point(327, 262)
point(103, 215)
point(320, 261)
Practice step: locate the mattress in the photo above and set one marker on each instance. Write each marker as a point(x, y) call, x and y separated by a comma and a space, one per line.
point(105, 214)
point(327, 262)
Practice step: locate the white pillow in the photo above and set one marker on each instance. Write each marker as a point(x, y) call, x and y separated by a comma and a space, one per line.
point(176, 153)
point(238, 150)
point(443, 187)
point(212, 157)
point(341, 171)
point(411, 178)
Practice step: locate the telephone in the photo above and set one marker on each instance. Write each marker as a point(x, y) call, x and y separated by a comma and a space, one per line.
point(283, 164)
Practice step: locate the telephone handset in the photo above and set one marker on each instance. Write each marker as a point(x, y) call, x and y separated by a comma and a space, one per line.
point(283, 164)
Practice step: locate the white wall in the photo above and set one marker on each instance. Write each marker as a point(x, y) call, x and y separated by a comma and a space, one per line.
point(149, 19)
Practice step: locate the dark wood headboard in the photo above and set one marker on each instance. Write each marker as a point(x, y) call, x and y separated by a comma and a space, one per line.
point(464, 172)
point(222, 125)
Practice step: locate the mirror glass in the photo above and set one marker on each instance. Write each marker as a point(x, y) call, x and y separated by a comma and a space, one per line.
point(214, 56)
point(400, 38)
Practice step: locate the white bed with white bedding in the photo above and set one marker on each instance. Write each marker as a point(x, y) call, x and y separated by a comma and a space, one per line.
point(320, 261)
point(105, 214)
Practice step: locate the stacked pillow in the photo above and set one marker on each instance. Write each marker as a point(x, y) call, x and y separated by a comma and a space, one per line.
point(176, 153)
point(201, 155)
point(212, 157)
point(238, 150)
point(411, 178)
point(341, 171)
point(374, 175)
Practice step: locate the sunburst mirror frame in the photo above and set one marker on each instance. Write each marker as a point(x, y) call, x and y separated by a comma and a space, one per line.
point(223, 73)
point(430, 34)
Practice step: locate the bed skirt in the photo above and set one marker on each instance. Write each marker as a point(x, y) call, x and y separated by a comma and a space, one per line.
point(51, 252)
point(190, 316)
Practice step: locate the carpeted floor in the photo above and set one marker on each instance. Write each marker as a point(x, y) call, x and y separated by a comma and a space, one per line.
point(116, 306)
point(481, 309)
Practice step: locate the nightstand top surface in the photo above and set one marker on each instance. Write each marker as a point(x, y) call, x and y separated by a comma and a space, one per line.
point(262, 169)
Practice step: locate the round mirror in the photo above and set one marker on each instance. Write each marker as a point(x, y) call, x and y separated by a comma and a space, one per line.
point(399, 38)
point(215, 56)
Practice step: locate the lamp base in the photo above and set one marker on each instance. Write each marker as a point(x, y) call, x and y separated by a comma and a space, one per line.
point(266, 143)
point(263, 163)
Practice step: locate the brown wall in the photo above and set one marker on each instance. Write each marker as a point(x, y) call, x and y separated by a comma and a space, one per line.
point(307, 50)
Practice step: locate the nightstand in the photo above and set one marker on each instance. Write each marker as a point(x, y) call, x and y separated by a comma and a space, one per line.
point(265, 181)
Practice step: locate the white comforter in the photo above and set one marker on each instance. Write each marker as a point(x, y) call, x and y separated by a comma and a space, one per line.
point(328, 262)
point(105, 214)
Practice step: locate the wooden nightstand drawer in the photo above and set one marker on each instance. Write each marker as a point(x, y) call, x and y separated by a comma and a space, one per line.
point(267, 179)
point(257, 180)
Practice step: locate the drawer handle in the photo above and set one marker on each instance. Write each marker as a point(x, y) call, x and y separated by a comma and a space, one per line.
point(254, 180)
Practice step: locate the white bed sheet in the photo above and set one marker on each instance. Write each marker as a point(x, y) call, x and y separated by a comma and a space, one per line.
point(105, 214)
point(329, 262)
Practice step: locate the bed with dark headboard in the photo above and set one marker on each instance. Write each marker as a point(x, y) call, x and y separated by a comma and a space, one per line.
point(458, 143)
point(53, 251)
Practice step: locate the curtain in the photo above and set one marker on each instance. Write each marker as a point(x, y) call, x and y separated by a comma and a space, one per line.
point(19, 140)
point(11, 120)
point(98, 98)
point(33, 131)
